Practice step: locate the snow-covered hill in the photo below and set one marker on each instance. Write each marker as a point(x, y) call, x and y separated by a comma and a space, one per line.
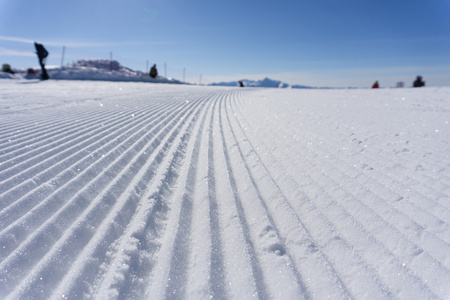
point(94, 69)
point(266, 82)
point(119, 190)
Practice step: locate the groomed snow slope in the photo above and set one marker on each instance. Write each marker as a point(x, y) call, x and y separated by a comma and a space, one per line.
point(147, 191)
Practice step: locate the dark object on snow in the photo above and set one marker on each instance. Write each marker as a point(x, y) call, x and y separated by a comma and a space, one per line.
point(153, 72)
point(418, 82)
point(241, 84)
point(375, 85)
point(42, 54)
point(7, 69)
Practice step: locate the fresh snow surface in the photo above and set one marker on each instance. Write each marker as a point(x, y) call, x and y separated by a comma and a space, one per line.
point(116, 190)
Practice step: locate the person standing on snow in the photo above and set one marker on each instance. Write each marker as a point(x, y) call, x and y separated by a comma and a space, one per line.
point(418, 82)
point(375, 85)
point(42, 54)
point(153, 72)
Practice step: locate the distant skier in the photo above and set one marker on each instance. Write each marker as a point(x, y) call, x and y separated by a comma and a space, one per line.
point(153, 72)
point(375, 85)
point(418, 82)
point(241, 84)
point(42, 55)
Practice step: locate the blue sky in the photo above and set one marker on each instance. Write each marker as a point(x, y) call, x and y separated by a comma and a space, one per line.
point(316, 43)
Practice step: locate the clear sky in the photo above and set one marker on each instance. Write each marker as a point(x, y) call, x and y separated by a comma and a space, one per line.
point(309, 42)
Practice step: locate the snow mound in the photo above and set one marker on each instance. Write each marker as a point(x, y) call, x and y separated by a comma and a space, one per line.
point(105, 70)
point(4, 75)
point(94, 69)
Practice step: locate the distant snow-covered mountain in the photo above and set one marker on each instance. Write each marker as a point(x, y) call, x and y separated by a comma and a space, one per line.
point(266, 82)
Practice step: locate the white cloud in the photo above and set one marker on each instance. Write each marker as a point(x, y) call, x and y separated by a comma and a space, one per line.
point(73, 43)
point(15, 39)
point(8, 52)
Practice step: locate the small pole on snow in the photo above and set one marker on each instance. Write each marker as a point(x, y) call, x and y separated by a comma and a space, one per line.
point(62, 56)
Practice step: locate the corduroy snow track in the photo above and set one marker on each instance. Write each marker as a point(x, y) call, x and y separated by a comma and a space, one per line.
point(153, 191)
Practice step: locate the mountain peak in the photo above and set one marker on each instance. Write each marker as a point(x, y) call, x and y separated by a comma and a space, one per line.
point(266, 82)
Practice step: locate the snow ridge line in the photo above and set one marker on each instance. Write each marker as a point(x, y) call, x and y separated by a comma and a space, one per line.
point(224, 193)
point(85, 216)
point(218, 287)
point(181, 248)
point(144, 237)
point(27, 140)
point(424, 180)
point(115, 130)
point(88, 163)
point(278, 247)
point(72, 118)
point(401, 163)
point(24, 139)
point(391, 177)
point(282, 217)
point(314, 254)
point(130, 237)
point(361, 233)
point(55, 106)
point(105, 161)
point(430, 241)
point(20, 129)
point(64, 152)
point(176, 252)
point(84, 119)
point(323, 180)
point(59, 135)
point(261, 287)
point(169, 194)
point(65, 193)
